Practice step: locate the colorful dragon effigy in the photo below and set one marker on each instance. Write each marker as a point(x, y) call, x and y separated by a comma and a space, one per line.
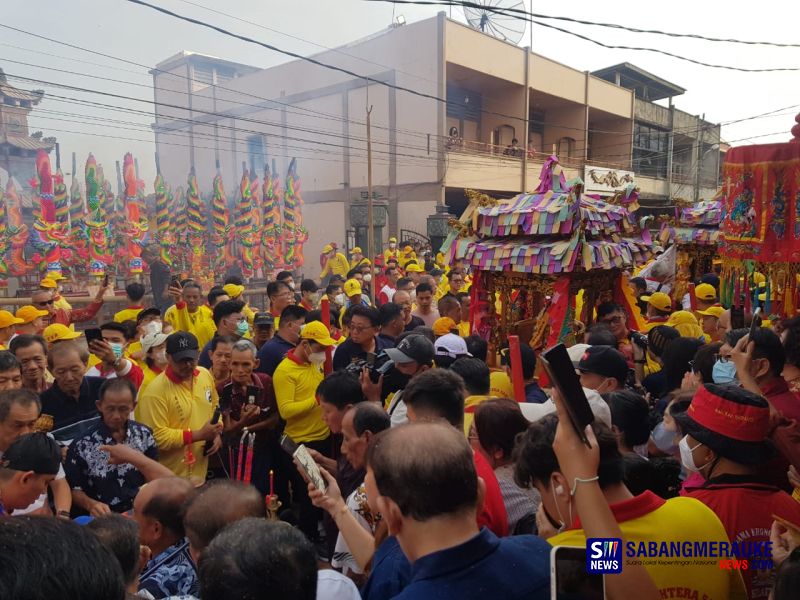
point(87, 229)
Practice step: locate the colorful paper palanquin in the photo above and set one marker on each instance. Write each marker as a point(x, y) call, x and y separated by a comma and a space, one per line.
point(761, 224)
point(539, 249)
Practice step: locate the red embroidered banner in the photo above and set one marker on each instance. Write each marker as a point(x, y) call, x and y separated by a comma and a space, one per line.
point(762, 203)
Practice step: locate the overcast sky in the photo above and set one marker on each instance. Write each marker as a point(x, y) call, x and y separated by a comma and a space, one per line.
point(140, 35)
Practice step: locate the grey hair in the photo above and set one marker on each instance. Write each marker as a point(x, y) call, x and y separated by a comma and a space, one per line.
point(245, 345)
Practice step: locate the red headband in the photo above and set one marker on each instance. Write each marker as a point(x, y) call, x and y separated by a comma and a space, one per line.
point(742, 422)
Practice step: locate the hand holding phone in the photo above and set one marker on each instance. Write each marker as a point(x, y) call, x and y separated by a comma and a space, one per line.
point(571, 397)
point(93, 334)
point(754, 324)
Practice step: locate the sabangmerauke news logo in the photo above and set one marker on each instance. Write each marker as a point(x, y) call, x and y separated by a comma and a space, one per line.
point(603, 555)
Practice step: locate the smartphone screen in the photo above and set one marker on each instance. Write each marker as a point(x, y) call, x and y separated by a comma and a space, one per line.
point(93, 334)
point(754, 323)
point(568, 576)
point(562, 373)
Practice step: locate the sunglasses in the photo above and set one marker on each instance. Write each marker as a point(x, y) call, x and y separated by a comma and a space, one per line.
point(48, 303)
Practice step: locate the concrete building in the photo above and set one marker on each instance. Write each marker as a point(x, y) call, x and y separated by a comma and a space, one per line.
point(447, 102)
point(18, 146)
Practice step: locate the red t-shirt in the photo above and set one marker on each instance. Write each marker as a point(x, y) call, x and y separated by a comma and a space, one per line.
point(745, 506)
point(493, 512)
point(781, 397)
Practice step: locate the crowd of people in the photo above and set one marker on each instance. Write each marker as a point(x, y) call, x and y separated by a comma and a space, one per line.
point(139, 459)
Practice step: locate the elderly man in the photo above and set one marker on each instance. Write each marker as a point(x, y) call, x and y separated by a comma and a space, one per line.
point(178, 406)
point(19, 412)
point(403, 298)
point(188, 314)
point(158, 510)
point(436, 526)
point(247, 400)
point(69, 407)
point(108, 464)
point(44, 300)
point(31, 352)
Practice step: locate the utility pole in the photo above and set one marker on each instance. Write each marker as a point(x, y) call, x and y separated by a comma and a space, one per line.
point(370, 225)
point(700, 155)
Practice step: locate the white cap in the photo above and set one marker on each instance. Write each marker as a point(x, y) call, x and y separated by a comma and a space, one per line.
point(151, 340)
point(576, 352)
point(451, 345)
point(600, 409)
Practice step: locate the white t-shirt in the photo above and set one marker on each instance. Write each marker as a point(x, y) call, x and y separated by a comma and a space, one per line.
point(332, 585)
point(358, 507)
point(40, 501)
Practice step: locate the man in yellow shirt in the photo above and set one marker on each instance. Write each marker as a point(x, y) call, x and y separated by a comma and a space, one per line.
point(391, 251)
point(357, 258)
point(295, 381)
point(234, 290)
point(178, 406)
point(7, 324)
point(407, 256)
point(336, 264)
point(186, 313)
point(644, 518)
point(135, 292)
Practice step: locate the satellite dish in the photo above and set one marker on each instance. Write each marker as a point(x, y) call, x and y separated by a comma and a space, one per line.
point(495, 18)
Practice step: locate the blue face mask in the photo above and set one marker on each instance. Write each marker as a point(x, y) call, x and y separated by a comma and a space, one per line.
point(242, 327)
point(724, 372)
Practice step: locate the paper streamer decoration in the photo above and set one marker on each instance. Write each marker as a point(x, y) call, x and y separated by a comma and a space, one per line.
point(135, 226)
point(294, 234)
point(16, 233)
point(244, 225)
point(196, 226)
point(166, 235)
point(271, 224)
point(220, 238)
point(47, 235)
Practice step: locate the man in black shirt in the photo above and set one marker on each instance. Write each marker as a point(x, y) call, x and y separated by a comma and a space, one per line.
point(363, 339)
point(392, 322)
point(159, 278)
point(69, 407)
point(403, 298)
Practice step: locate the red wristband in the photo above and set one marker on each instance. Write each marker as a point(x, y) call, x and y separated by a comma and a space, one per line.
point(187, 437)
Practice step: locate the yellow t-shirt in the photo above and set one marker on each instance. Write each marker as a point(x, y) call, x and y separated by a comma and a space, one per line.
point(295, 392)
point(500, 385)
point(182, 320)
point(648, 518)
point(463, 329)
point(169, 409)
point(338, 265)
point(128, 314)
point(149, 376)
point(470, 404)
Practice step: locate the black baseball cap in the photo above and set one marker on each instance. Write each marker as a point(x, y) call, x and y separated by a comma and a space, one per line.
point(263, 319)
point(182, 345)
point(436, 272)
point(147, 312)
point(414, 348)
point(605, 361)
point(35, 452)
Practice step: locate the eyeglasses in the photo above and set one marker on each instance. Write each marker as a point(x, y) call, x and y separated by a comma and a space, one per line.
point(360, 328)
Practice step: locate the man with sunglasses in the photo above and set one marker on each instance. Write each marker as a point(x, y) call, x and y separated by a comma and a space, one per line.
point(43, 299)
point(613, 316)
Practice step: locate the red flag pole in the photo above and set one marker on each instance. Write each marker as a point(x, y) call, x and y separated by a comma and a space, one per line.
point(325, 309)
point(516, 368)
point(692, 297)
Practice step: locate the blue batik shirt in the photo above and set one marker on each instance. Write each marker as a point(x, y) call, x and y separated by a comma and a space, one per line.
point(171, 573)
point(88, 470)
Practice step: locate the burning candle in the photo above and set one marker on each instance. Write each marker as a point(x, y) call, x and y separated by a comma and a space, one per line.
point(271, 482)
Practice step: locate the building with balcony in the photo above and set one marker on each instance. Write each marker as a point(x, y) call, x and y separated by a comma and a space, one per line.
point(447, 103)
point(18, 146)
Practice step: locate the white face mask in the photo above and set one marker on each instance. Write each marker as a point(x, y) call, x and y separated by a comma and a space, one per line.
point(392, 245)
point(291, 286)
point(153, 327)
point(340, 299)
point(316, 358)
point(160, 357)
point(368, 277)
point(687, 458)
point(413, 294)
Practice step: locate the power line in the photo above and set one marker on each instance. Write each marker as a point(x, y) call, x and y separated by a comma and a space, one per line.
point(525, 16)
point(595, 23)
